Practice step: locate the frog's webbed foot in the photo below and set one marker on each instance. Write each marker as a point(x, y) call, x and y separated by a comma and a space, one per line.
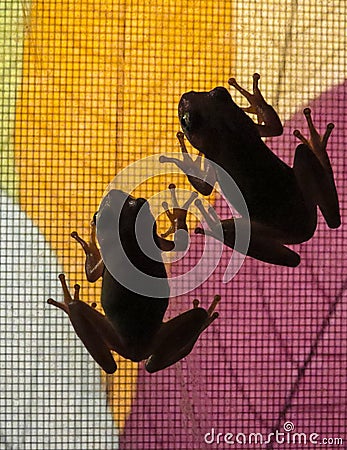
point(68, 299)
point(256, 100)
point(177, 218)
point(178, 215)
point(92, 327)
point(177, 337)
point(316, 142)
point(202, 179)
point(94, 265)
point(187, 165)
point(313, 171)
point(265, 113)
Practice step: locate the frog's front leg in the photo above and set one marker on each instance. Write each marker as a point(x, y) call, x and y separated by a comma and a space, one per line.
point(202, 179)
point(176, 338)
point(177, 217)
point(269, 123)
point(266, 244)
point(93, 328)
point(94, 265)
point(314, 174)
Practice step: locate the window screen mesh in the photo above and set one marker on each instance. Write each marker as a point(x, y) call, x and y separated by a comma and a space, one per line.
point(89, 88)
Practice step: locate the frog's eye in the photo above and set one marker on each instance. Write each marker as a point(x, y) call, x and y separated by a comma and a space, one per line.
point(190, 121)
point(132, 202)
point(186, 121)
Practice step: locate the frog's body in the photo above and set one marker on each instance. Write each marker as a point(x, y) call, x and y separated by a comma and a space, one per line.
point(137, 318)
point(133, 325)
point(281, 201)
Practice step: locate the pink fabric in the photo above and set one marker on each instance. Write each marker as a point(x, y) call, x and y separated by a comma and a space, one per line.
point(242, 375)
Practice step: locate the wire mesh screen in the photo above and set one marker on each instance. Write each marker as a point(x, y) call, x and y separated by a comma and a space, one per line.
point(89, 90)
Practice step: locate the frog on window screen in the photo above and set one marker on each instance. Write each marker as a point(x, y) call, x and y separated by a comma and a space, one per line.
point(133, 322)
point(281, 200)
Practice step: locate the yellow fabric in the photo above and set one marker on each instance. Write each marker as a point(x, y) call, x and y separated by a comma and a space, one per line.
point(101, 83)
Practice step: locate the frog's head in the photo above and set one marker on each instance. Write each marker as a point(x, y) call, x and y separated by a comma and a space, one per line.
point(209, 118)
point(119, 209)
point(124, 222)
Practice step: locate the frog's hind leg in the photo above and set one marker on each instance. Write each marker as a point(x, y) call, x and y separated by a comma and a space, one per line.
point(92, 327)
point(265, 243)
point(177, 337)
point(314, 173)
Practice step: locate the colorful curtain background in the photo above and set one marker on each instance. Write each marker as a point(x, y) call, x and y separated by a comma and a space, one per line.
point(89, 87)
